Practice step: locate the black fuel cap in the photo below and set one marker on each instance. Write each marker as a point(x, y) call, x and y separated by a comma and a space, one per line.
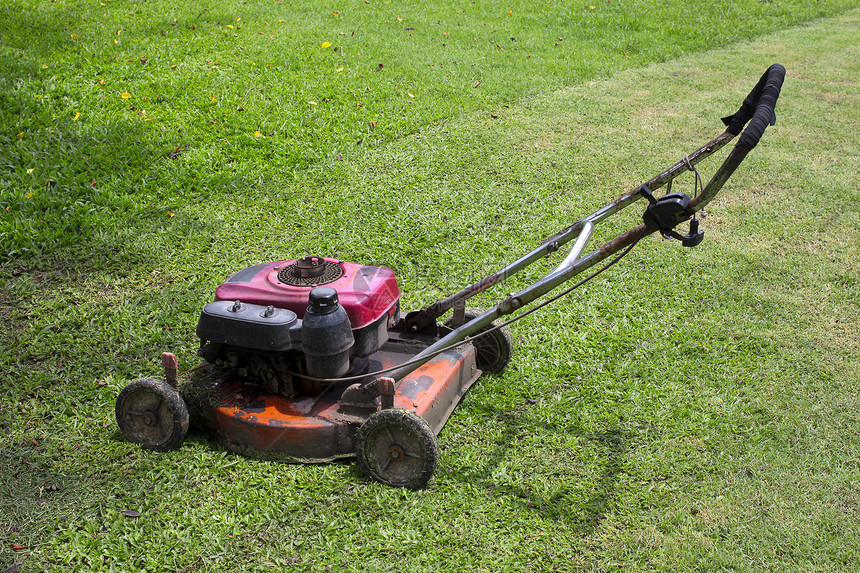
point(323, 300)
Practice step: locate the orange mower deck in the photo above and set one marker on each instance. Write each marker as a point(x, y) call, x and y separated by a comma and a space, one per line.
point(309, 429)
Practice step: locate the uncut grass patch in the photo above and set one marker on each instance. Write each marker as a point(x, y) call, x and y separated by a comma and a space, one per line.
point(115, 114)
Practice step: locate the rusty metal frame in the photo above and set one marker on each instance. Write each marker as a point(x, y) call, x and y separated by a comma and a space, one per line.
point(419, 320)
point(574, 263)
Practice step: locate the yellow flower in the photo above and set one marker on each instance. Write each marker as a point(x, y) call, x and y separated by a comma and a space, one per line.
point(325, 45)
point(125, 95)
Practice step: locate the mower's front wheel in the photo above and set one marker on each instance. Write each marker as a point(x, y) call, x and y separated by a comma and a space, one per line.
point(493, 350)
point(151, 412)
point(397, 448)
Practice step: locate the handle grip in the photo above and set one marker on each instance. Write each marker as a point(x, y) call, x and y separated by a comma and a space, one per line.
point(758, 109)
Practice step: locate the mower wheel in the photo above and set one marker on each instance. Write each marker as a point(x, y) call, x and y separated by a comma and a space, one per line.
point(397, 448)
point(493, 350)
point(151, 412)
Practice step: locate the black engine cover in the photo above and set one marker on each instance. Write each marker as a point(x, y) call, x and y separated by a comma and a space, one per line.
point(250, 326)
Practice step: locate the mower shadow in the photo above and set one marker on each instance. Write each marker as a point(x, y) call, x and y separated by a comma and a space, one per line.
point(583, 514)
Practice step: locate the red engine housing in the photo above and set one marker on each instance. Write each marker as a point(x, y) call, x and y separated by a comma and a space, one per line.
point(366, 293)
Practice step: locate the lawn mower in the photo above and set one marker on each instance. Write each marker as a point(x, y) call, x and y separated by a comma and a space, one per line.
point(312, 360)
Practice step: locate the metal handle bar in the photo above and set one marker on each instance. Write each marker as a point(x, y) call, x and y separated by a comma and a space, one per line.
point(420, 319)
point(762, 100)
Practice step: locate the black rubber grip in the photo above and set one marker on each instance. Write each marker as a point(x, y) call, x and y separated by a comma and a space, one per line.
point(757, 109)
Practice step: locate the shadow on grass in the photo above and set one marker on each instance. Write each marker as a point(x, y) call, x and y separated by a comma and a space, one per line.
point(566, 504)
point(44, 502)
point(85, 190)
point(35, 497)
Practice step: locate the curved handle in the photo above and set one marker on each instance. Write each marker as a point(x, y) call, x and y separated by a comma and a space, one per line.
point(759, 106)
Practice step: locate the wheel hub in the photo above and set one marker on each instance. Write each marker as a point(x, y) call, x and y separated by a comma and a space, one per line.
point(149, 417)
point(396, 453)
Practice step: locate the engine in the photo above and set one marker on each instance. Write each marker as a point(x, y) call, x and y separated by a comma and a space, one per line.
point(316, 316)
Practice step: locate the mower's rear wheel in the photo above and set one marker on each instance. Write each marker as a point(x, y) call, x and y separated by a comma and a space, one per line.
point(493, 350)
point(151, 412)
point(397, 448)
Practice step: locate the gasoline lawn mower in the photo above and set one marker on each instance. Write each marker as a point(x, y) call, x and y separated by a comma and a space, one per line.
point(311, 359)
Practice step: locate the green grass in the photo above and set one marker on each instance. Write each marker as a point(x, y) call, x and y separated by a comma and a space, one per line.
point(117, 111)
point(690, 410)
